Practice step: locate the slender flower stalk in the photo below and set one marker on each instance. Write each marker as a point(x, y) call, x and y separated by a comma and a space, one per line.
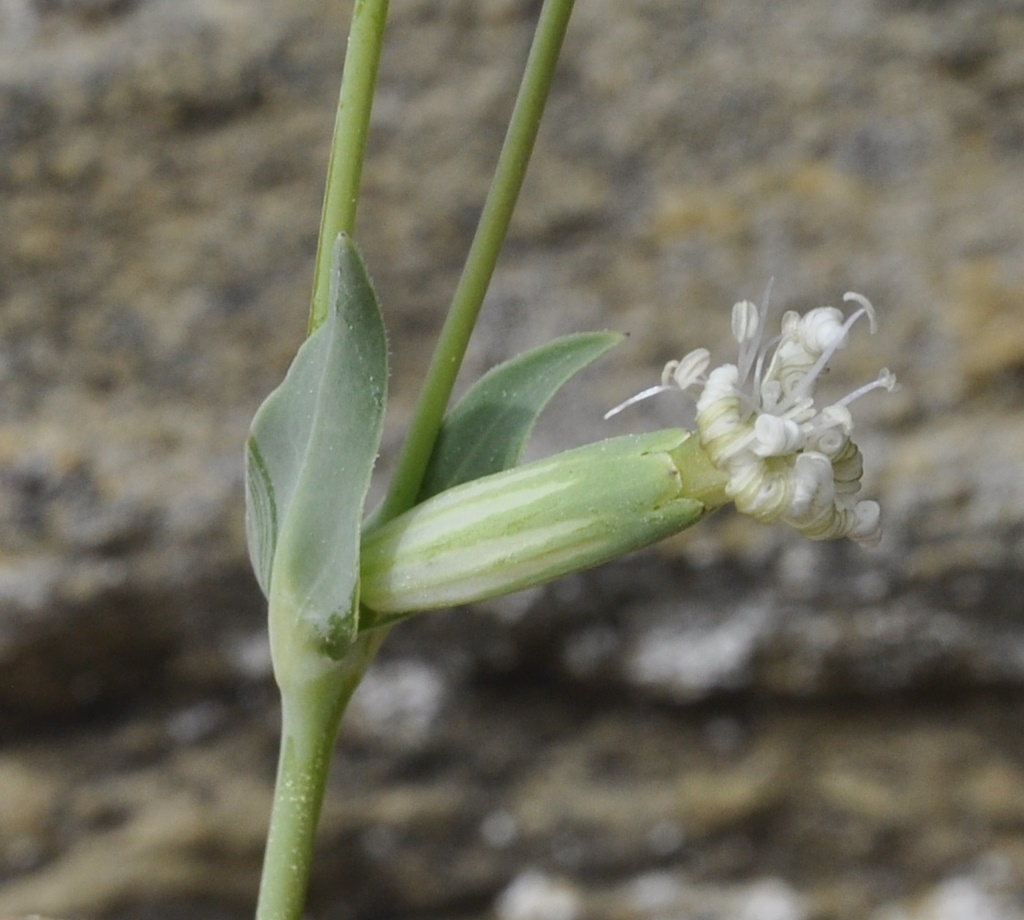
point(348, 144)
point(483, 256)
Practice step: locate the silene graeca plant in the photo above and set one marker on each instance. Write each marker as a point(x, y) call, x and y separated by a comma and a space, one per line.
point(461, 520)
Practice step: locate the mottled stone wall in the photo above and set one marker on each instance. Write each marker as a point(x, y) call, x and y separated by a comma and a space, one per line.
point(735, 723)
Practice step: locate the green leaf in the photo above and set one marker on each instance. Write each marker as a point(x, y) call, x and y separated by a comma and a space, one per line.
point(486, 431)
point(311, 449)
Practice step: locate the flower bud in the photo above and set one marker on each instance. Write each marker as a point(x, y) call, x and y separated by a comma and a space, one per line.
point(530, 524)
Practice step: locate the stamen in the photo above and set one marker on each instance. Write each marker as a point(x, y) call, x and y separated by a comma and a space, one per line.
point(886, 381)
point(866, 307)
point(688, 370)
point(771, 391)
point(759, 367)
point(750, 347)
point(646, 394)
point(745, 322)
point(807, 381)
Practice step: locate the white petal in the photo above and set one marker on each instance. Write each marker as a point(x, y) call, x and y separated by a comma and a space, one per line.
point(822, 329)
point(830, 441)
point(776, 436)
point(721, 384)
point(813, 489)
point(837, 416)
point(867, 529)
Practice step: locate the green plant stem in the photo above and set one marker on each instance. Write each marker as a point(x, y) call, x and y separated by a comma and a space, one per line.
point(483, 255)
point(348, 144)
point(311, 712)
point(311, 709)
point(309, 724)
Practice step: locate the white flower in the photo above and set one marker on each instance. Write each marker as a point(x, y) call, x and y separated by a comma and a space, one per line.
point(784, 457)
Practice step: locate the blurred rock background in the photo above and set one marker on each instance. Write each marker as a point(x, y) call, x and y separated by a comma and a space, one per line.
point(737, 725)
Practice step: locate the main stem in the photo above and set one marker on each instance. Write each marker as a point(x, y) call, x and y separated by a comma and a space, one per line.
point(310, 716)
point(483, 255)
point(348, 145)
point(311, 710)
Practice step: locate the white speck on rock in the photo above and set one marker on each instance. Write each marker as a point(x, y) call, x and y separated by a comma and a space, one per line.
point(770, 899)
point(691, 661)
point(654, 892)
point(400, 697)
point(665, 838)
point(533, 895)
point(249, 653)
point(591, 648)
point(499, 829)
point(511, 608)
point(657, 895)
point(195, 723)
point(962, 898)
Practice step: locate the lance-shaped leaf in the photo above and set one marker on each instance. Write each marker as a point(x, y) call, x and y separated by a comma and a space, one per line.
point(486, 431)
point(310, 452)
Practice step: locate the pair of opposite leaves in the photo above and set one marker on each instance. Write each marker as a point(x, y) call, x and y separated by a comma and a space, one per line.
point(313, 443)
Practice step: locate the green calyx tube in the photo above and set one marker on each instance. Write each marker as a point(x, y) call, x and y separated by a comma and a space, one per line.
point(536, 522)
